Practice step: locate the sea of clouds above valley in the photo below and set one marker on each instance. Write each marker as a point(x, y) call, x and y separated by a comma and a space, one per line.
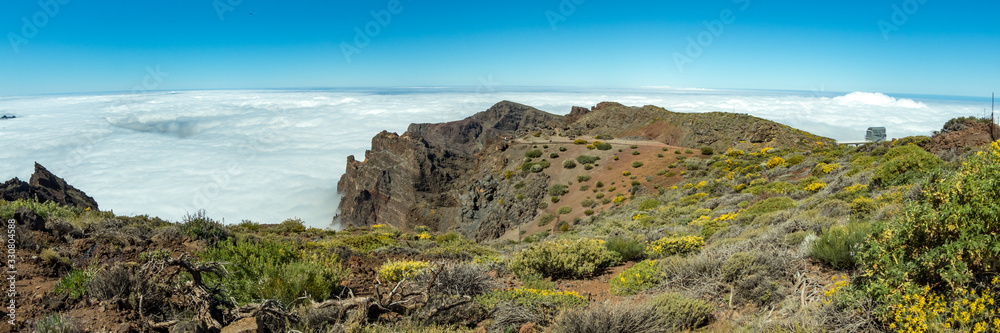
point(276, 154)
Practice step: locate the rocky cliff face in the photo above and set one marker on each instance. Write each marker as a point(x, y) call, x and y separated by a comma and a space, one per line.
point(418, 178)
point(46, 187)
point(490, 206)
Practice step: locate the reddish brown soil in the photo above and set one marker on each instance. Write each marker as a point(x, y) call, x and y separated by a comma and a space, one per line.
point(975, 134)
point(606, 170)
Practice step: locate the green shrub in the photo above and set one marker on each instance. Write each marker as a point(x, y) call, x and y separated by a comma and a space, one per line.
point(536, 237)
point(587, 203)
point(635, 152)
point(838, 246)
point(555, 199)
point(543, 205)
point(533, 154)
point(637, 164)
point(200, 226)
point(562, 148)
point(796, 238)
point(623, 316)
point(682, 313)
point(563, 258)
point(293, 225)
point(629, 249)
point(603, 146)
point(554, 155)
point(579, 142)
point(265, 269)
point(546, 219)
point(450, 237)
point(246, 226)
point(558, 189)
point(795, 160)
point(904, 165)
point(769, 205)
point(753, 276)
point(584, 187)
point(364, 242)
point(641, 276)
point(649, 204)
point(57, 323)
point(586, 159)
point(569, 164)
point(707, 151)
point(564, 226)
point(565, 210)
point(588, 212)
point(582, 178)
point(74, 283)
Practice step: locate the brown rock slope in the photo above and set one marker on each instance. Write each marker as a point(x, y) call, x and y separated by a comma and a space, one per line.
point(718, 130)
point(452, 175)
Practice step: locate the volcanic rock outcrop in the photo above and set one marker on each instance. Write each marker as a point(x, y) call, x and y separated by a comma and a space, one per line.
point(417, 178)
point(46, 187)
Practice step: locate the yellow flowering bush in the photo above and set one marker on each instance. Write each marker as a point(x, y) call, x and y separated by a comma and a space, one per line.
point(815, 187)
point(700, 185)
point(775, 162)
point(626, 173)
point(395, 271)
point(488, 260)
point(965, 311)
point(734, 152)
point(424, 235)
point(830, 294)
point(947, 240)
point(563, 258)
point(532, 297)
point(855, 188)
point(824, 168)
point(862, 205)
point(668, 246)
point(727, 217)
point(643, 275)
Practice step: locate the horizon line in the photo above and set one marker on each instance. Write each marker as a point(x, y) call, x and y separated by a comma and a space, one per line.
point(688, 89)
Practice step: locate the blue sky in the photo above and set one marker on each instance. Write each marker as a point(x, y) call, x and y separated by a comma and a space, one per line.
point(934, 47)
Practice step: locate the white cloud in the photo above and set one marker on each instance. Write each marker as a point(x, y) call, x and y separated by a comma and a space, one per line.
point(877, 99)
point(271, 155)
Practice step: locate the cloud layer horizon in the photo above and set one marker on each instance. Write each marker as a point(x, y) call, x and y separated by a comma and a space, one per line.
point(268, 155)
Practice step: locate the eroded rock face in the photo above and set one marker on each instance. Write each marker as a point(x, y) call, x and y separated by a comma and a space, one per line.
point(46, 187)
point(417, 178)
point(490, 206)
